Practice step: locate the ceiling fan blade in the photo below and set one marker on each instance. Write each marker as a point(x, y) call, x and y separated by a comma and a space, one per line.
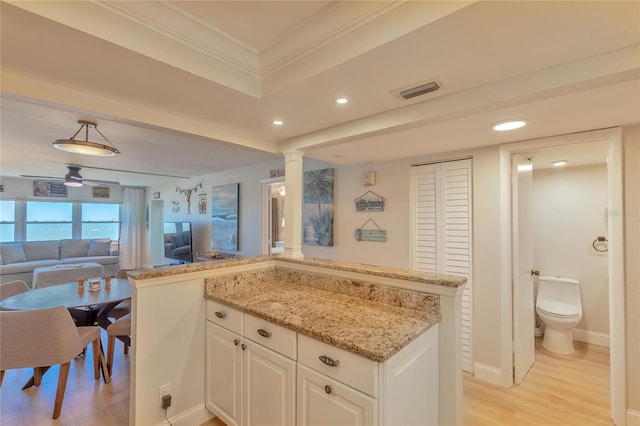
point(101, 182)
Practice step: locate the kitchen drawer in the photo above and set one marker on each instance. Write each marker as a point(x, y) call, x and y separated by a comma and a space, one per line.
point(273, 336)
point(351, 369)
point(223, 315)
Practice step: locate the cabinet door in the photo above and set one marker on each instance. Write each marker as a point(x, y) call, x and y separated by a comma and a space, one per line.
point(269, 387)
point(323, 401)
point(224, 374)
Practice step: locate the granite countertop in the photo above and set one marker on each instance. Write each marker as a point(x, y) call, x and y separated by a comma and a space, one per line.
point(371, 329)
point(375, 270)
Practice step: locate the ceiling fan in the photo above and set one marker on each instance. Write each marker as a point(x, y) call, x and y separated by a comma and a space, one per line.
point(73, 178)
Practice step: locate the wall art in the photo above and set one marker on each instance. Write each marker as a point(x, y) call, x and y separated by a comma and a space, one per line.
point(224, 217)
point(317, 208)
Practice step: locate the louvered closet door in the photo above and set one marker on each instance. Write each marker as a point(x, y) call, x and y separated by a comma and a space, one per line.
point(442, 237)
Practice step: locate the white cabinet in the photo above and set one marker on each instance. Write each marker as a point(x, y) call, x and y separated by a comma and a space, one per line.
point(224, 374)
point(253, 377)
point(248, 383)
point(323, 401)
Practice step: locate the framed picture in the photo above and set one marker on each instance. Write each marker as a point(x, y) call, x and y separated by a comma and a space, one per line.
point(317, 208)
point(156, 195)
point(49, 189)
point(100, 192)
point(224, 217)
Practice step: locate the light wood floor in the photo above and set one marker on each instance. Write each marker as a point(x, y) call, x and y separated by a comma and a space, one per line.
point(559, 390)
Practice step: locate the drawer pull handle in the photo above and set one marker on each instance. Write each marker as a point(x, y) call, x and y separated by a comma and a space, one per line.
point(328, 389)
point(329, 361)
point(221, 315)
point(264, 333)
point(236, 342)
point(243, 346)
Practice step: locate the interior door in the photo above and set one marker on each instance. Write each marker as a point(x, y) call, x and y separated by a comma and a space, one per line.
point(522, 258)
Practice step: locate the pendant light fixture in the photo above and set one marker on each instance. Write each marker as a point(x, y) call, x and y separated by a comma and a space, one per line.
point(86, 147)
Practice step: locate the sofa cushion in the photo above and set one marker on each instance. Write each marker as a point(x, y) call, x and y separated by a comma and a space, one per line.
point(28, 266)
point(40, 250)
point(73, 248)
point(99, 247)
point(12, 253)
point(103, 260)
point(176, 239)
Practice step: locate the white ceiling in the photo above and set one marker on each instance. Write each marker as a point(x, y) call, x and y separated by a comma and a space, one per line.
point(188, 88)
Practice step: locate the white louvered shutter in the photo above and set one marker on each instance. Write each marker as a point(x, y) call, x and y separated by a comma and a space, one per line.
point(443, 231)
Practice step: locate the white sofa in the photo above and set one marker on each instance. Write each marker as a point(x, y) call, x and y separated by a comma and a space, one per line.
point(18, 259)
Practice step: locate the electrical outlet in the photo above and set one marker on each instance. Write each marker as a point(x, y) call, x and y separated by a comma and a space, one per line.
point(165, 390)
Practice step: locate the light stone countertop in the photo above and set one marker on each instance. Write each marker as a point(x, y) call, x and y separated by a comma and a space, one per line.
point(371, 329)
point(375, 270)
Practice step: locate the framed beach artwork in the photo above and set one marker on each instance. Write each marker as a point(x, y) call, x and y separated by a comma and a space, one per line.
point(224, 217)
point(317, 208)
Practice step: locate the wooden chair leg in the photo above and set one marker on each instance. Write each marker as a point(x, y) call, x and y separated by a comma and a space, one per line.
point(95, 345)
point(103, 364)
point(62, 385)
point(37, 376)
point(111, 343)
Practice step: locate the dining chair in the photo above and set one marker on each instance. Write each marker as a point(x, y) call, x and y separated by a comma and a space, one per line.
point(121, 327)
point(12, 288)
point(41, 338)
point(124, 307)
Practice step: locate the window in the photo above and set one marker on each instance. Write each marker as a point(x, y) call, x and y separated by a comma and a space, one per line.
point(49, 221)
point(7, 220)
point(101, 221)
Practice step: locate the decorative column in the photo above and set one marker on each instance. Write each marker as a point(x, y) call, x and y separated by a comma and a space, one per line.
point(293, 182)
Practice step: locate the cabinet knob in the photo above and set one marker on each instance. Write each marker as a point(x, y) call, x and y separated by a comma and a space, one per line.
point(243, 346)
point(328, 389)
point(264, 333)
point(329, 361)
point(236, 341)
point(221, 314)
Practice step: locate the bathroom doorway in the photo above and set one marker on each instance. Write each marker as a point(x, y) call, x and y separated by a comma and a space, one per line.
point(608, 143)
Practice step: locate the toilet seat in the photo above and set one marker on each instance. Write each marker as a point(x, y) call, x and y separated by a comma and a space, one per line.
point(558, 309)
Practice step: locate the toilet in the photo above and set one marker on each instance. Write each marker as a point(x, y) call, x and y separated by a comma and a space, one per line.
point(558, 306)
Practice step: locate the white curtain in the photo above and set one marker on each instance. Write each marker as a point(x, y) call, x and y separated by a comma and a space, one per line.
point(132, 232)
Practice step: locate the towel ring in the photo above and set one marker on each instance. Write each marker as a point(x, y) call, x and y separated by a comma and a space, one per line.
point(603, 247)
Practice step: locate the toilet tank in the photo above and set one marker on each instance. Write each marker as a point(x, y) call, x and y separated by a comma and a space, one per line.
point(559, 289)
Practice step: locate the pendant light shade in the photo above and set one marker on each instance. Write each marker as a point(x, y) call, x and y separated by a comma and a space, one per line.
point(86, 147)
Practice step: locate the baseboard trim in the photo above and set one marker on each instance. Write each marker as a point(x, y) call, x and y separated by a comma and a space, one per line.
point(591, 337)
point(195, 416)
point(633, 418)
point(488, 374)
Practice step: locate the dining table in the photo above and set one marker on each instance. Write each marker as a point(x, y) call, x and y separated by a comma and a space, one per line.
point(88, 307)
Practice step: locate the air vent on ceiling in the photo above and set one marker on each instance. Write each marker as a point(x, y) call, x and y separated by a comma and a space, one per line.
point(420, 89)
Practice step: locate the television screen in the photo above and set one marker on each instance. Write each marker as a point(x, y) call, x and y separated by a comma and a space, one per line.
point(178, 241)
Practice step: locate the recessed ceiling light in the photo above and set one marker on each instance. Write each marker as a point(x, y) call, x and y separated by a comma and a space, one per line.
point(341, 101)
point(559, 163)
point(278, 122)
point(509, 125)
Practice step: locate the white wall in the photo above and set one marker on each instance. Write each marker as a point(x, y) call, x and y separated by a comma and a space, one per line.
point(22, 189)
point(569, 213)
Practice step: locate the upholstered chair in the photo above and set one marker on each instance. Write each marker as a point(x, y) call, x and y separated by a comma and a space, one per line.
point(44, 337)
point(124, 307)
point(12, 288)
point(121, 327)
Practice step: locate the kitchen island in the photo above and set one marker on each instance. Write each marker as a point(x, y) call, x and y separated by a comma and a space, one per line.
point(367, 311)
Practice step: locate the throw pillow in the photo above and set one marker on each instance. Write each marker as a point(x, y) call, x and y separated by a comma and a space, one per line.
point(74, 248)
point(12, 253)
point(99, 247)
point(41, 250)
point(177, 240)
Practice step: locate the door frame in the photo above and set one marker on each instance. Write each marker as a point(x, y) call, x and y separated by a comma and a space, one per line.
point(265, 233)
point(617, 331)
